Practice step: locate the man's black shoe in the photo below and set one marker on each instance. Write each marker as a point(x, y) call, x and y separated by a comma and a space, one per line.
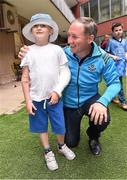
point(94, 146)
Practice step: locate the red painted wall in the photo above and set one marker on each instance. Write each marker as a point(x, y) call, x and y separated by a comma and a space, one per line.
point(105, 27)
point(76, 9)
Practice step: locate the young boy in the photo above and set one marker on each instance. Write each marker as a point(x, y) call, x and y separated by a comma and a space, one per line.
point(117, 48)
point(45, 74)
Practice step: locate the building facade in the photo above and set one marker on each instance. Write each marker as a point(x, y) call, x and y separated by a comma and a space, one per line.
point(104, 12)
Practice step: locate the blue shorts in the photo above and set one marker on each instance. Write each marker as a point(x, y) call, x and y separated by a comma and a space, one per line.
point(39, 122)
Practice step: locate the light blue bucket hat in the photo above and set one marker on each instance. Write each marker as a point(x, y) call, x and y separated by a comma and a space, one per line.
point(40, 19)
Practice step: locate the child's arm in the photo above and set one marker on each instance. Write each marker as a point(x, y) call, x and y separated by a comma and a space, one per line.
point(114, 57)
point(64, 78)
point(26, 90)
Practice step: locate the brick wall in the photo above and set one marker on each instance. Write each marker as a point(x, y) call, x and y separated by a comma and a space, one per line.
point(105, 27)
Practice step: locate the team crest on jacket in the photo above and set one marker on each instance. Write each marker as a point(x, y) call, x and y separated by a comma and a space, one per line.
point(91, 67)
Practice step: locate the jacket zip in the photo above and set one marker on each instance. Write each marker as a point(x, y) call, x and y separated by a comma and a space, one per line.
point(79, 64)
point(78, 84)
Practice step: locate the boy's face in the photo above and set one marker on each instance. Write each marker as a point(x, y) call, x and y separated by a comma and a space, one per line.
point(42, 32)
point(118, 32)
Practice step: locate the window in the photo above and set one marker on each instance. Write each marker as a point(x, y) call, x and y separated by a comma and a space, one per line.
point(104, 10)
point(94, 10)
point(86, 10)
point(125, 6)
point(116, 8)
point(125, 34)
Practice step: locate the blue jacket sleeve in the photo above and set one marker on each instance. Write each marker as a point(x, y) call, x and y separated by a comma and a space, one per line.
point(111, 78)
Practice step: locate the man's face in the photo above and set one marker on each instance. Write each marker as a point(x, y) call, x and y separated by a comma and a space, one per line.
point(118, 32)
point(79, 42)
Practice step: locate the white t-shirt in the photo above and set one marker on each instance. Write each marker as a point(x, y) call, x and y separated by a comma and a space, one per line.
point(44, 64)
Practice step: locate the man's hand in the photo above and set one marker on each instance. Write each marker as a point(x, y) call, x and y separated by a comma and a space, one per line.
point(23, 51)
point(98, 113)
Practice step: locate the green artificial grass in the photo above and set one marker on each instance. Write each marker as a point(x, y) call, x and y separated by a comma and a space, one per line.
point(21, 153)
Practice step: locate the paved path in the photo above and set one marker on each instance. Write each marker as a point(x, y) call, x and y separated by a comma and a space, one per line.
point(11, 98)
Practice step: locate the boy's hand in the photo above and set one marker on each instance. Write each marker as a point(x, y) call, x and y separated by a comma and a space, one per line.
point(116, 58)
point(23, 51)
point(30, 108)
point(54, 98)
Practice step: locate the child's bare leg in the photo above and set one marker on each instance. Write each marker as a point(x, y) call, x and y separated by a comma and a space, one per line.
point(44, 139)
point(45, 142)
point(49, 155)
point(60, 139)
point(63, 149)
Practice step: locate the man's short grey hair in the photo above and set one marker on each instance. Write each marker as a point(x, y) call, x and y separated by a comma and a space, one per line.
point(90, 27)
